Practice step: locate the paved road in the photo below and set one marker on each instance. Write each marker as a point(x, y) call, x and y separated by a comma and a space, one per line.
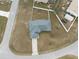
point(72, 49)
point(13, 11)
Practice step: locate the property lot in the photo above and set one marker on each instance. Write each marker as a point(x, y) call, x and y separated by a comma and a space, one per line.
point(20, 42)
point(5, 6)
point(39, 14)
point(58, 38)
point(3, 21)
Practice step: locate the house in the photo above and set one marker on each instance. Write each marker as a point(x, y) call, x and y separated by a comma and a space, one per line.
point(38, 26)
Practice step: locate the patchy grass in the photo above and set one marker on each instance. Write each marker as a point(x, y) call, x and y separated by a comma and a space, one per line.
point(3, 21)
point(69, 57)
point(58, 38)
point(5, 6)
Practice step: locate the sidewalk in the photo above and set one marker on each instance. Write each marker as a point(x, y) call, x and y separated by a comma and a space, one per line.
point(5, 14)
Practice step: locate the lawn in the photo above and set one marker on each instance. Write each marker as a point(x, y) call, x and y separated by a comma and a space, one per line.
point(20, 42)
point(3, 21)
point(69, 57)
point(5, 6)
point(56, 39)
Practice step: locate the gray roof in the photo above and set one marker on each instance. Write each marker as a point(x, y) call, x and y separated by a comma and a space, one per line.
point(37, 26)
